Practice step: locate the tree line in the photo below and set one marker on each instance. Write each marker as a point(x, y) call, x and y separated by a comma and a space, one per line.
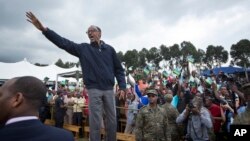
point(213, 56)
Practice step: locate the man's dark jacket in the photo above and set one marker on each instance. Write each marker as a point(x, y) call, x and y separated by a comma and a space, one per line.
point(33, 130)
point(100, 64)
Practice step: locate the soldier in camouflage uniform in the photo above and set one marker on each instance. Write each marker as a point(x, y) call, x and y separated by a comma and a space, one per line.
point(172, 114)
point(151, 121)
point(244, 118)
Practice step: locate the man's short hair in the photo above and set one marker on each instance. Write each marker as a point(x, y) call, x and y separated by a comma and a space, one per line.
point(99, 29)
point(33, 89)
point(96, 27)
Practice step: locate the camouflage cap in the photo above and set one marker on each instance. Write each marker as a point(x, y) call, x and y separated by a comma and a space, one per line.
point(152, 91)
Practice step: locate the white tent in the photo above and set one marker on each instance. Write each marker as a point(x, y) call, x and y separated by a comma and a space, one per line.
point(25, 68)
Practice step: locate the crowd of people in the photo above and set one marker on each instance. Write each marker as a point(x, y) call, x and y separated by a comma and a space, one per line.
point(204, 110)
point(197, 108)
point(175, 110)
point(156, 107)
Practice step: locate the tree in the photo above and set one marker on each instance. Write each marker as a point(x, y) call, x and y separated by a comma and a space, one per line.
point(201, 54)
point(131, 58)
point(68, 65)
point(187, 48)
point(215, 55)
point(142, 58)
point(78, 64)
point(240, 53)
point(154, 56)
point(165, 52)
point(120, 56)
point(60, 63)
point(175, 51)
point(199, 59)
point(175, 54)
point(41, 65)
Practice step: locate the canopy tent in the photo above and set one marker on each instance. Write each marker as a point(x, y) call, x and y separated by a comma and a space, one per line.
point(77, 74)
point(228, 70)
point(25, 68)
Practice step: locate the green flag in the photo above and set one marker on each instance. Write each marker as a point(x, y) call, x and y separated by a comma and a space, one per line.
point(190, 58)
point(165, 73)
point(146, 71)
point(130, 68)
point(177, 72)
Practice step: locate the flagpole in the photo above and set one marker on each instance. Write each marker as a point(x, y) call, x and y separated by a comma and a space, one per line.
point(246, 74)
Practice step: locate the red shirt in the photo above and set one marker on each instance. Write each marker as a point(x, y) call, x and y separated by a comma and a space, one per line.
point(215, 112)
point(85, 95)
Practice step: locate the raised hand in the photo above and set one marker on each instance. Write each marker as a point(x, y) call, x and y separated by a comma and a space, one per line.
point(32, 19)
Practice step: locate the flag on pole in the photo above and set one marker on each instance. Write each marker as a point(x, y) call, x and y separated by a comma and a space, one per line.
point(209, 80)
point(190, 58)
point(165, 73)
point(177, 71)
point(146, 70)
point(130, 68)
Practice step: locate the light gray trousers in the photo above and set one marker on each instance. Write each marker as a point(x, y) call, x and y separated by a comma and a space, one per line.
point(99, 101)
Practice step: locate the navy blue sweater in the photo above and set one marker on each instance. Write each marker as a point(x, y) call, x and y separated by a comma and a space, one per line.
point(100, 65)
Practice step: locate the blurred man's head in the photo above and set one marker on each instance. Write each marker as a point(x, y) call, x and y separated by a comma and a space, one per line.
point(194, 73)
point(152, 96)
point(208, 101)
point(94, 34)
point(21, 96)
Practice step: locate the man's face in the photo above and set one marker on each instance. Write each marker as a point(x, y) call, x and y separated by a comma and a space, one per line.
point(208, 102)
point(224, 91)
point(5, 101)
point(142, 84)
point(152, 98)
point(93, 34)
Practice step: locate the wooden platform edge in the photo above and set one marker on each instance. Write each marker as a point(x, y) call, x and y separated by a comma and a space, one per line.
point(73, 128)
point(120, 136)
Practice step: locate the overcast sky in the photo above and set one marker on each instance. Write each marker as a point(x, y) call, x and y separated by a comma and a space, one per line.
point(126, 25)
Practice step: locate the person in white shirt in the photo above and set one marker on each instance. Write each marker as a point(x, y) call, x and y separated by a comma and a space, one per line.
point(79, 102)
point(132, 105)
point(69, 101)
